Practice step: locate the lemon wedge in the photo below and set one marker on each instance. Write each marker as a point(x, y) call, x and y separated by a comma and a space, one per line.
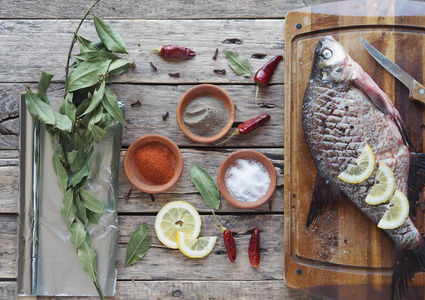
point(384, 186)
point(397, 212)
point(365, 165)
point(177, 216)
point(195, 247)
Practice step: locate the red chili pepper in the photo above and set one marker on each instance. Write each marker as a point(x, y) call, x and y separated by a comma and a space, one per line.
point(228, 239)
point(254, 248)
point(248, 126)
point(173, 51)
point(265, 73)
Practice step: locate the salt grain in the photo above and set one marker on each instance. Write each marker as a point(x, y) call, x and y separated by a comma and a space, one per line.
point(247, 180)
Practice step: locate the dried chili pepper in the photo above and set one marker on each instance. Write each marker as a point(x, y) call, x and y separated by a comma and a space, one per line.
point(248, 126)
point(173, 51)
point(228, 239)
point(265, 73)
point(254, 248)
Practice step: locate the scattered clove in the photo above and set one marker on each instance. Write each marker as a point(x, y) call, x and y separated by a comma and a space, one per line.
point(223, 71)
point(165, 116)
point(152, 197)
point(215, 54)
point(138, 102)
point(128, 194)
point(174, 74)
point(267, 105)
point(153, 66)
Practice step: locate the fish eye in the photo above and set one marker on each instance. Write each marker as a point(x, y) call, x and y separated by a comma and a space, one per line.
point(327, 53)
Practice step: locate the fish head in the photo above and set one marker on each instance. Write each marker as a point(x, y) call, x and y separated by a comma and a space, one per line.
point(331, 63)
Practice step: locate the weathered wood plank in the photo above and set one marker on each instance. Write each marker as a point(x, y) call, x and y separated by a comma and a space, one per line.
point(8, 290)
point(9, 183)
point(8, 247)
point(37, 45)
point(158, 99)
point(140, 202)
point(161, 263)
point(187, 9)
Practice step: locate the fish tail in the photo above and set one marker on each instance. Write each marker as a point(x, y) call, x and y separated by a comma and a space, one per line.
point(408, 262)
point(416, 180)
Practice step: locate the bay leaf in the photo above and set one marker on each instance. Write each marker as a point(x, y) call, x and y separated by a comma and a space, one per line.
point(96, 115)
point(86, 74)
point(81, 210)
point(63, 122)
point(97, 97)
point(43, 85)
point(96, 55)
point(138, 245)
point(71, 156)
point(68, 209)
point(60, 172)
point(239, 64)
point(97, 132)
point(93, 217)
point(88, 260)
point(119, 66)
point(68, 108)
point(86, 45)
point(39, 109)
point(206, 186)
point(112, 40)
point(110, 102)
point(78, 234)
point(84, 171)
point(91, 202)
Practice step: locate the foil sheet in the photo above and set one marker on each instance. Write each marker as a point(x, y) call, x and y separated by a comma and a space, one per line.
point(48, 263)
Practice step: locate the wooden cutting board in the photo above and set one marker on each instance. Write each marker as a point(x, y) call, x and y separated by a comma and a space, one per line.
point(343, 255)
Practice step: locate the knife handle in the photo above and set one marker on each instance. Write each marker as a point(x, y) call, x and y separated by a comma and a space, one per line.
point(417, 92)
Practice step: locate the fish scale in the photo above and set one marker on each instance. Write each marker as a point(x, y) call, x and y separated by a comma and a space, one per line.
point(343, 111)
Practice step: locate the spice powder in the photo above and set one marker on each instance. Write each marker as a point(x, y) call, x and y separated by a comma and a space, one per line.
point(155, 162)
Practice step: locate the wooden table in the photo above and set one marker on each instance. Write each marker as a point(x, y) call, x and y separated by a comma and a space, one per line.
point(35, 36)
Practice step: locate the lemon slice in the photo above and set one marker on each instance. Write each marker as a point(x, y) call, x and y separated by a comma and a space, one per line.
point(177, 216)
point(195, 248)
point(397, 212)
point(365, 164)
point(384, 188)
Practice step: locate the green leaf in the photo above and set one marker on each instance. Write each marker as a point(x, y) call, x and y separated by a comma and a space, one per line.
point(97, 132)
point(93, 217)
point(68, 208)
point(86, 45)
point(110, 102)
point(68, 108)
point(60, 172)
point(84, 171)
point(88, 260)
point(38, 109)
point(63, 122)
point(239, 64)
point(91, 202)
point(206, 186)
point(43, 85)
point(96, 55)
point(112, 40)
point(71, 156)
point(96, 115)
point(78, 234)
point(138, 245)
point(119, 66)
point(86, 74)
point(83, 106)
point(81, 210)
point(97, 97)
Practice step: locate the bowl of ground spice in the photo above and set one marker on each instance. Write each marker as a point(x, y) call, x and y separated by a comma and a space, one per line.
point(247, 179)
point(153, 163)
point(205, 113)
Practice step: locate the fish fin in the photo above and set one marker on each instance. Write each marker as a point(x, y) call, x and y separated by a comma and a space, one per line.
point(416, 180)
point(324, 192)
point(408, 262)
point(381, 101)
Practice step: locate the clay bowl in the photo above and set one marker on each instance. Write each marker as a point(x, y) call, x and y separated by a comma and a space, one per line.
point(203, 90)
point(133, 174)
point(246, 154)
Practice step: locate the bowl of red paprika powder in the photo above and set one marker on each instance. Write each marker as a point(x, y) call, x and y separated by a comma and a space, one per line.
point(153, 163)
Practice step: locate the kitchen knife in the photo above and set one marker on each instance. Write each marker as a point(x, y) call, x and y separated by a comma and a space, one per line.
point(416, 90)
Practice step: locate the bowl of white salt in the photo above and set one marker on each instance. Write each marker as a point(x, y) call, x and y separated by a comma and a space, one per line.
point(247, 179)
point(205, 113)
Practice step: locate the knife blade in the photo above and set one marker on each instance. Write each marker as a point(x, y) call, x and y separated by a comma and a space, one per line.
point(416, 90)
